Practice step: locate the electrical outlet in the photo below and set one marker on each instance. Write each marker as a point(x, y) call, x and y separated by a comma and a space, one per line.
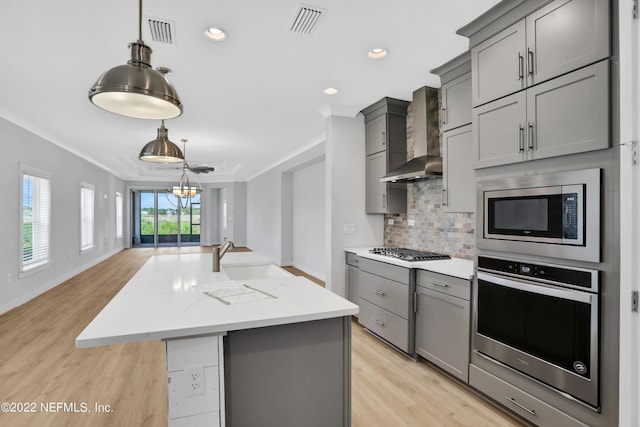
point(412, 222)
point(194, 381)
point(390, 221)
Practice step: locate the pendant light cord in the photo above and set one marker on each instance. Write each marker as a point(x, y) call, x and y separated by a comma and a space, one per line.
point(140, 21)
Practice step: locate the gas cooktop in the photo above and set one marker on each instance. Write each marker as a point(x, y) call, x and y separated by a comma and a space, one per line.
point(408, 254)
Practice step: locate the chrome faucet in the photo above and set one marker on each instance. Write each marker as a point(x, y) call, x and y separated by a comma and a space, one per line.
point(218, 253)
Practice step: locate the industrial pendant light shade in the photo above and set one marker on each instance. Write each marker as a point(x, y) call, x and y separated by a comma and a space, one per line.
point(135, 89)
point(161, 149)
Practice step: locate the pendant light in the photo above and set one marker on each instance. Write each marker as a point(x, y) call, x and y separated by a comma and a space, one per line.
point(161, 149)
point(186, 190)
point(135, 89)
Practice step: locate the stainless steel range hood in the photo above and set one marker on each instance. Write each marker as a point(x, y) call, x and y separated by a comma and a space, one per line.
point(426, 161)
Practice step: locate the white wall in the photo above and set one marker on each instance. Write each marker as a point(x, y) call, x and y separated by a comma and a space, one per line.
point(308, 219)
point(67, 172)
point(629, 108)
point(269, 206)
point(345, 196)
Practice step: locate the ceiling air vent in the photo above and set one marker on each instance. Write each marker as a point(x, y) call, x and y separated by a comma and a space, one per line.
point(306, 19)
point(161, 31)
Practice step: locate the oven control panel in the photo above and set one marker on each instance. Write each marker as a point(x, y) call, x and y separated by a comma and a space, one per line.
point(560, 275)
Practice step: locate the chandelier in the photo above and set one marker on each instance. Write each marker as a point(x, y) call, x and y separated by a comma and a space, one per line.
point(186, 190)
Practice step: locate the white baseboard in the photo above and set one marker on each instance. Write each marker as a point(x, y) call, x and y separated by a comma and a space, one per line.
point(309, 271)
point(52, 283)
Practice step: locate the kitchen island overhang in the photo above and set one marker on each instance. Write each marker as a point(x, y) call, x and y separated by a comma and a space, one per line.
point(177, 298)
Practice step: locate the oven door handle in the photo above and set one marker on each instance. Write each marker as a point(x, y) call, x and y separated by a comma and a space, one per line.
point(573, 295)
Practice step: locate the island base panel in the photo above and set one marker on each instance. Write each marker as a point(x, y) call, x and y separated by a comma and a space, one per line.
point(290, 375)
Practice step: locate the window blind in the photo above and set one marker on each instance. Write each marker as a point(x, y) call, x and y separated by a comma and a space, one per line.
point(36, 217)
point(86, 215)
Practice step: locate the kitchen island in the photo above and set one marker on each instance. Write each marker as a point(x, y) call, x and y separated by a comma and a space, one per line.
point(250, 345)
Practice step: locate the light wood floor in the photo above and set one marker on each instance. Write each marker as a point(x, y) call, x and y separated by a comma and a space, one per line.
point(39, 363)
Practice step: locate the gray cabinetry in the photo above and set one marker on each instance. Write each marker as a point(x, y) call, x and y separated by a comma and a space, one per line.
point(386, 302)
point(569, 114)
point(555, 39)
point(456, 102)
point(564, 36)
point(458, 194)
point(566, 115)
point(352, 278)
point(497, 65)
point(520, 402)
point(386, 149)
point(458, 189)
point(443, 322)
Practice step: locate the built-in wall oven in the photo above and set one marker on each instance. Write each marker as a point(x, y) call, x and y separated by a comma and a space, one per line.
point(541, 320)
point(554, 215)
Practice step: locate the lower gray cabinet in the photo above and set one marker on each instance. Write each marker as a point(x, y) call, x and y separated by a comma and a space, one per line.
point(386, 302)
point(443, 322)
point(352, 278)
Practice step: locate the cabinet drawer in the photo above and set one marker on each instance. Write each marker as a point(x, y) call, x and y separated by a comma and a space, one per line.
point(385, 324)
point(352, 259)
point(390, 271)
point(385, 293)
point(518, 401)
point(449, 285)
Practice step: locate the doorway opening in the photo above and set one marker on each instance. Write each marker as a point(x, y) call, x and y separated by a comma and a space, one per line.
point(159, 220)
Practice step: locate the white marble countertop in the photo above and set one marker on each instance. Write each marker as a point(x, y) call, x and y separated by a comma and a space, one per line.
point(166, 299)
point(456, 267)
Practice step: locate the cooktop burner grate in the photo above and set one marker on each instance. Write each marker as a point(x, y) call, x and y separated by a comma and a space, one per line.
point(408, 254)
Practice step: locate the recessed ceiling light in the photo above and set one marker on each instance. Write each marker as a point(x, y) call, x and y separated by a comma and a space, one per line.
point(378, 53)
point(330, 91)
point(216, 34)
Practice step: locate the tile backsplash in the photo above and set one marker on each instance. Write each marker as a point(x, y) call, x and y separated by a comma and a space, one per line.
point(434, 229)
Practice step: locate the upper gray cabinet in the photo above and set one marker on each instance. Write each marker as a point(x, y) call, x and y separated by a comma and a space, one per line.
point(458, 195)
point(497, 65)
point(569, 114)
point(455, 93)
point(553, 40)
point(386, 149)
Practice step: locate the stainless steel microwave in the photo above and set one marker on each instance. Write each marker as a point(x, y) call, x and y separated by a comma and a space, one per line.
point(555, 215)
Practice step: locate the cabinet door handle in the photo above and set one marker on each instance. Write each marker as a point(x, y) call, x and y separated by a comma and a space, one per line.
point(378, 322)
point(520, 67)
point(444, 116)
point(384, 138)
point(445, 197)
point(415, 302)
point(521, 406)
point(530, 62)
point(378, 292)
point(442, 285)
point(531, 136)
point(384, 201)
point(521, 139)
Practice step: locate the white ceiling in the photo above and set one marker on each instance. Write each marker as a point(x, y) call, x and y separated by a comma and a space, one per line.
point(249, 102)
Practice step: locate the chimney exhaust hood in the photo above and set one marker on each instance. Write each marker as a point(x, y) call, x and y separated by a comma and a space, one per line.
point(426, 162)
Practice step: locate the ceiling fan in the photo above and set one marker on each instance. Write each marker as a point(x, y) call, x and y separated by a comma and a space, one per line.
point(194, 169)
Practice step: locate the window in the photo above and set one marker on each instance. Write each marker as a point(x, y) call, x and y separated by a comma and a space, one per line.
point(86, 216)
point(119, 227)
point(36, 218)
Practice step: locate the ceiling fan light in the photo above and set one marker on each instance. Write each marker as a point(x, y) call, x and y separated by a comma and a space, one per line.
point(161, 149)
